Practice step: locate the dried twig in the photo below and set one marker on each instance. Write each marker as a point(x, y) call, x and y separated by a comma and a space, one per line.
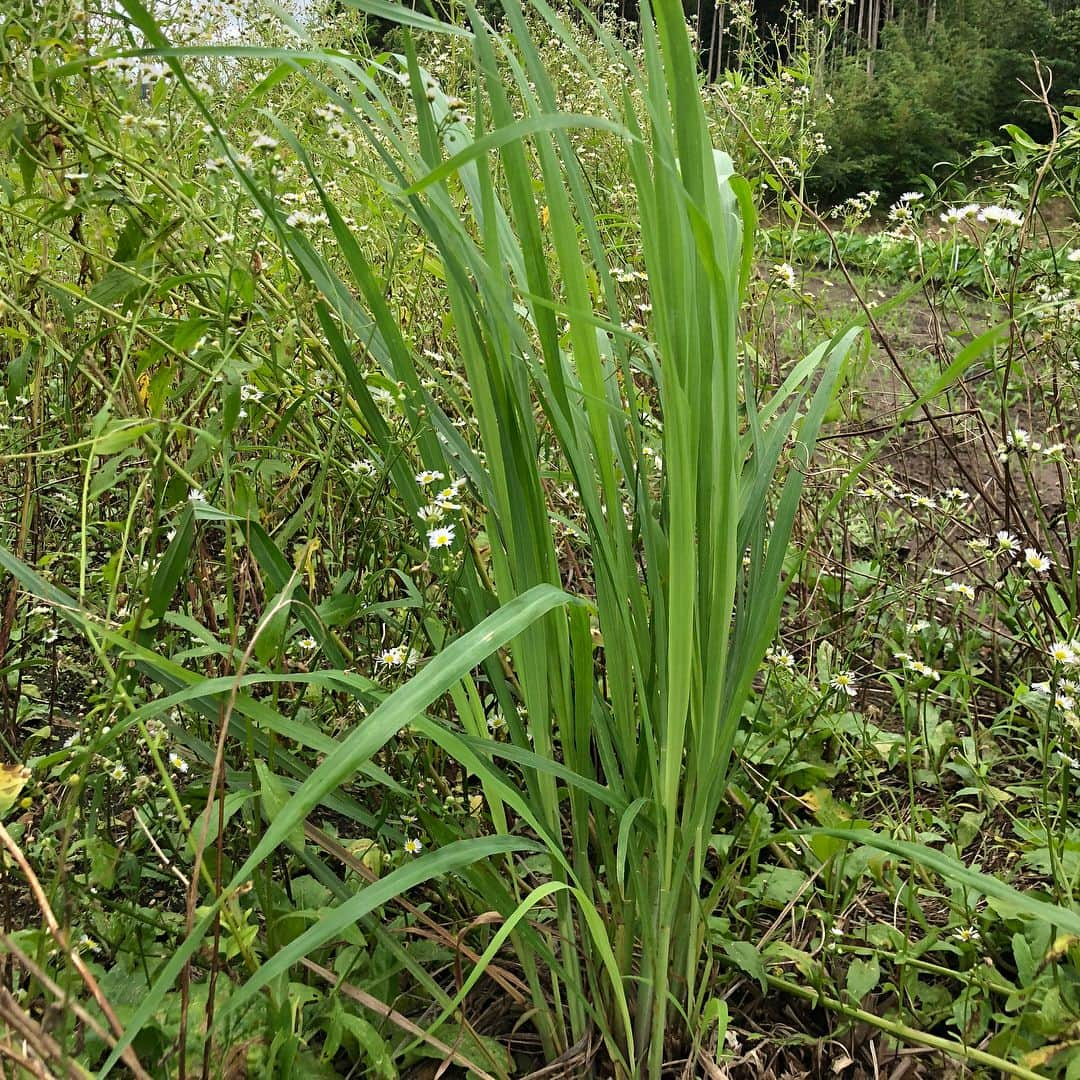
point(57, 992)
point(35, 1039)
point(58, 935)
point(391, 1014)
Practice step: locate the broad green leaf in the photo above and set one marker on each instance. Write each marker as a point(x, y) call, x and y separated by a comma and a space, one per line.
point(862, 977)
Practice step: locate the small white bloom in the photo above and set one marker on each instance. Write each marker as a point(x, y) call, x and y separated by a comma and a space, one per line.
point(924, 671)
point(780, 656)
point(1005, 541)
point(441, 537)
point(1036, 561)
point(1063, 652)
point(1001, 215)
point(784, 274)
point(958, 588)
point(844, 681)
point(955, 214)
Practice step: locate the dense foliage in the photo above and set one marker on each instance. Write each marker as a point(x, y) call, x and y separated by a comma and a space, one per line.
point(936, 80)
point(495, 581)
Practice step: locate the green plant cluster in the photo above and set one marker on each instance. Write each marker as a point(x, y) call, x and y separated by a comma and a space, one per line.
point(494, 581)
point(935, 88)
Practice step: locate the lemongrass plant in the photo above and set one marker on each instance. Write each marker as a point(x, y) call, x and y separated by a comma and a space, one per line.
point(622, 712)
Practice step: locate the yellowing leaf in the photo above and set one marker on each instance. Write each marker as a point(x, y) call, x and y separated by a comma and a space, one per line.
point(1046, 1054)
point(1060, 947)
point(12, 780)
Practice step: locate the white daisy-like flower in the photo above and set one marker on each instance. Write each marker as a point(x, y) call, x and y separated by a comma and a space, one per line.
point(1063, 652)
point(844, 681)
point(413, 846)
point(955, 214)
point(432, 513)
point(429, 476)
point(196, 495)
point(958, 588)
point(784, 274)
point(967, 934)
point(1005, 541)
point(1001, 215)
point(264, 142)
point(780, 657)
point(177, 762)
point(924, 671)
point(441, 537)
point(307, 643)
point(1036, 561)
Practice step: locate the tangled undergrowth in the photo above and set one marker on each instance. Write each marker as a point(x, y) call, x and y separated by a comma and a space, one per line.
point(492, 582)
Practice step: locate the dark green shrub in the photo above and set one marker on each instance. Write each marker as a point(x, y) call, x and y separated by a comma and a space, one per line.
point(934, 88)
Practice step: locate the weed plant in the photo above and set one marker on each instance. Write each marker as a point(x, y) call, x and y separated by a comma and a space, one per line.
point(428, 627)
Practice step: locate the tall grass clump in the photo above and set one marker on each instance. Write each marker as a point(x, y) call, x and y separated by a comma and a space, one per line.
point(637, 466)
point(621, 715)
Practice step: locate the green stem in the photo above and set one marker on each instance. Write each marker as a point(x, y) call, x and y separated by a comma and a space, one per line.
point(904, 1033)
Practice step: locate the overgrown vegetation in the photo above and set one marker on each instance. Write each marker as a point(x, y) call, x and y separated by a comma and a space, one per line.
point(496, 583)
